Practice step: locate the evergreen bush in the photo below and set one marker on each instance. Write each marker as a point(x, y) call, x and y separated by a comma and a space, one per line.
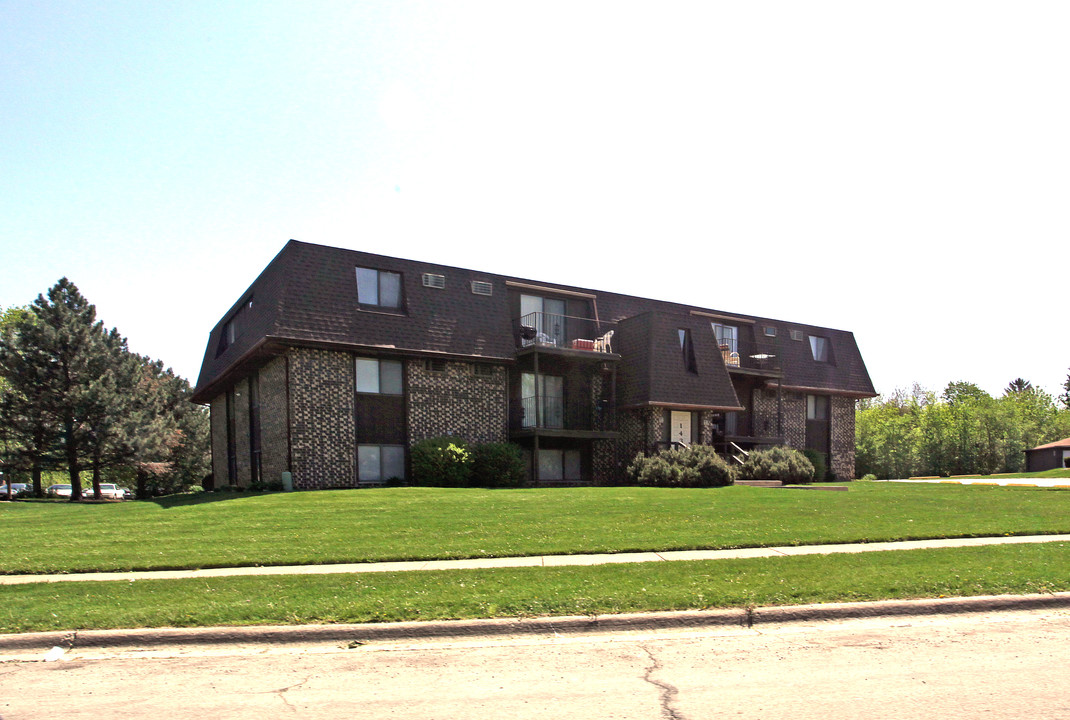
point(777, 463)
point(817, 459)
point(696, 466)
point(497, 465)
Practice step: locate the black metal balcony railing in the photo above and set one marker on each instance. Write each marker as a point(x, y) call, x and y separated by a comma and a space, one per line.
point(543, 412)
point(549, 330)
point(750, 354)
point(554, 413)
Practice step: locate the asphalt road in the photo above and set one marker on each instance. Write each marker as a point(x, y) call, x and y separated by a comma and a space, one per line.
point(993, 665)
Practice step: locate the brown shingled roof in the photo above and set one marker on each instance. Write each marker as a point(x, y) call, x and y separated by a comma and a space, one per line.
point(307, 295)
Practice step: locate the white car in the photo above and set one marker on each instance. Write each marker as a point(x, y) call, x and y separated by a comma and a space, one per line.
point(108, 491)
point(58, 491)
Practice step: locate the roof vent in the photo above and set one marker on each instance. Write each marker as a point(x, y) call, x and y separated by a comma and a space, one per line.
point(434, 281)
point(479, 287)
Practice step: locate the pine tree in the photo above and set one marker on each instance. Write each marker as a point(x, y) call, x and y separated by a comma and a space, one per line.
point(110, 403)
point(28, 427)
point(66, 334)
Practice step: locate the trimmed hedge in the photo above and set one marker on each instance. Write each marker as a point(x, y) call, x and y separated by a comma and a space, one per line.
point(441, 462)
point(498, 465)
point(452, 462)
point(778, 463)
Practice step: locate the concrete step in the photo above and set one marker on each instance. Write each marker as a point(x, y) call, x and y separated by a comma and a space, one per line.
point(760, 483)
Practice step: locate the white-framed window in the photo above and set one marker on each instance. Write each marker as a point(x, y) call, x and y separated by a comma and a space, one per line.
point(378, 288)
point(769, 331)
point(382, 377)
point(819, 346)
point(380, 463)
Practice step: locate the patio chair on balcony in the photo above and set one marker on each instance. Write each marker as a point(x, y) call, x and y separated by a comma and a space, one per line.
point(604, 344)
point(733, 359)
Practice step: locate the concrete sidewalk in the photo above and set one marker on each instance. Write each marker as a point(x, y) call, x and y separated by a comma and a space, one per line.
point(533, 561)
point(991, 480)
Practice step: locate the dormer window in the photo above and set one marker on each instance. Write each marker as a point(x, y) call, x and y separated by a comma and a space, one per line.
point(688, 350)
point(819, 346)
point(378, 288)
point(232, 328)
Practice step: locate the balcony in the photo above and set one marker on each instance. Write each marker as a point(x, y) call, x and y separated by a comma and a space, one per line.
point(548, 331)
point(751, 356)
point(550, 415)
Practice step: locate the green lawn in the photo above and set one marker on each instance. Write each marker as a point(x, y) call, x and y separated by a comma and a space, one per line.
point(219, 530)
point(524, 592)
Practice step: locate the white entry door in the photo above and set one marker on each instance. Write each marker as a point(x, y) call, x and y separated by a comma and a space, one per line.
point(680, 427)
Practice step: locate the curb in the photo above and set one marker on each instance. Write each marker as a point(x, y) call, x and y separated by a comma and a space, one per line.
point(358, 634)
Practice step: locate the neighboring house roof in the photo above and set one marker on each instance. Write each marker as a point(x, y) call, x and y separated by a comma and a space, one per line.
point(1064, 443)
point(307, 296)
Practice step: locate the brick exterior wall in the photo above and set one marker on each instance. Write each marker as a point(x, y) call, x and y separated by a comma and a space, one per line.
point(274, 421)
point(707, 422)
point(457, 402)
point(218, 420)
point(639, 430)
point(307, 410)
point(322, 411)
point(842, 417)
point(241, 433)
point(794, 419)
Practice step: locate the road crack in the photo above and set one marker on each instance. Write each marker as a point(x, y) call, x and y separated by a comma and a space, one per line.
point(667, 691)
point(281, 692)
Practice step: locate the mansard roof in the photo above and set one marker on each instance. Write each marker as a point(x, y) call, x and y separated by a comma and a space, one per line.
point(307, 296)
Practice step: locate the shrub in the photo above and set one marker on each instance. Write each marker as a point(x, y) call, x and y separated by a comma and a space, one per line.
point(441, 462)
point(869, 477)
point(497, 465)
point(195, 489)
point(778, 463)
point(713, 470)
point(696, 466)
point(817, 459)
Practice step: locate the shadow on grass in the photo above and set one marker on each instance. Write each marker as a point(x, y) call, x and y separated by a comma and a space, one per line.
point(202, 498)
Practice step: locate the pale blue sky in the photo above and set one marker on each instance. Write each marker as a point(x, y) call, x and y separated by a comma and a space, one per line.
point(900, 170)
